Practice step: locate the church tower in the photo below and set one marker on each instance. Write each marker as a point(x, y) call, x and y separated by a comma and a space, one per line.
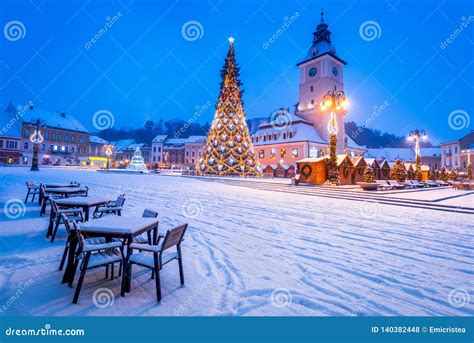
point(321, 71)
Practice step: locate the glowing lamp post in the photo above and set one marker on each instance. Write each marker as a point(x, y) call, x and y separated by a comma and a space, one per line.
point(108, 153)
point(415, 136)
point(335, 101)
point(36, 138)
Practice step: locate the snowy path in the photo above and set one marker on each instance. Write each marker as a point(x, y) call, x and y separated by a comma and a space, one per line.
point(251, 252)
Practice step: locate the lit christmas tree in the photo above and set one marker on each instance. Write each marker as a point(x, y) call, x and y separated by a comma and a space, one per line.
point(229, 149)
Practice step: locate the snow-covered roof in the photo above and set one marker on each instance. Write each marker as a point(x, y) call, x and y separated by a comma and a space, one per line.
point(341, 158)
point(431, 152)
point(98, 140)
point(196, 139)
point(175, 141)
point(123, 144)
point(159, 138)
point(352, 144)
point(13, 117)
point(392, 154)
point(370, 161)
point(301, 132)
point(311, 159)
point(357, 160)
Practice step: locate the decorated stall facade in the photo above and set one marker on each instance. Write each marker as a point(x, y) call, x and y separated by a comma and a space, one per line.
point(312, 170)
point(359, 167)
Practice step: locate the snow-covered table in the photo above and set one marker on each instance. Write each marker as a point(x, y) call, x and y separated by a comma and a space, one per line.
point(125, 228)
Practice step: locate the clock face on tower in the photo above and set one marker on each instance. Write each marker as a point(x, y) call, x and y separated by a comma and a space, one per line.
point(312, 72)
point(334, 71)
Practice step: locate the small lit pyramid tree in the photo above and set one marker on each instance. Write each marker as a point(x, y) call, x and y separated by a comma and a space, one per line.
point(398, 171)
point(229, 149)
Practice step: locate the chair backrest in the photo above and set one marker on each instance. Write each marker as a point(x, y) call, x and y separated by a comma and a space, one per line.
point(54, 206)
point(80, 237)
point(67, 224)
point(120, 200)
point(30, 184)
point(174, 237)
point(147, 213)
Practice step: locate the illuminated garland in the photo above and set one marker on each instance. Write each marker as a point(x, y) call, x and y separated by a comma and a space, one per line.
point(229, 149)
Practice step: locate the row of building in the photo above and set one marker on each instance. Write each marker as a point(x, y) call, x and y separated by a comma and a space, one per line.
point(279, 141)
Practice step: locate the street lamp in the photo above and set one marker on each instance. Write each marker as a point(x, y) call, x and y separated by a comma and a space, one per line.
point(415, 135)
point(334, 100)
point(108, 153)
point(36, 138)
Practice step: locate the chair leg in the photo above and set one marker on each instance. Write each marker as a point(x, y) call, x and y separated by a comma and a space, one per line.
point(157, 283)
point(152, 274)
point(27, 194)
point(43, 208)
point(107, 271)
point(81, 278)
point(120, 269)
point(33, 199)
point(56, 225)
point(63, 259)
point(181, 274)
point(112, 271)
point(74, 269)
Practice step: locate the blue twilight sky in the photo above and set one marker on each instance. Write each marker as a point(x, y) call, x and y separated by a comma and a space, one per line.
point(143, 68)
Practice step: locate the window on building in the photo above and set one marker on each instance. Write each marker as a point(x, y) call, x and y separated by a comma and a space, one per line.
point(66, 138)
point(60, 137)
point(456, 150)
point(311, 88)
point(294, 152)
point(272, 153)
point(261, 153)
point(43, 147)
point(284, 136)
point(85, 140)
point(80, 139)
point(46, 135)
point(66, 150)
point(313, 152)
point(275, 136)
point(159, 149)
point(25, 146)
point(73, 139)
point(283, 152)
point(154, 149)
point(72, 148)
point(312, 101)
point(53, 136)
point(11, 144)
point(26, 133)
point(265, 138)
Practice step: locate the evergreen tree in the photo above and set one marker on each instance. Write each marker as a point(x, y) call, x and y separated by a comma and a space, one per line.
point(229, 149)
point(453, 175)
point(443, 175)
point(469, 171)
point(398, 171)
point(433, 174)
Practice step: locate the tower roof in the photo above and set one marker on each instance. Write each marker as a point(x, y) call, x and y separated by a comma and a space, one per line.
point(321, 44)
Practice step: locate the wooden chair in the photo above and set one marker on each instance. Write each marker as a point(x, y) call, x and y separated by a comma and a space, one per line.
point(73, 214)
point(92, 256)
point(157, 255)
point(33, 190)
point(113, 207)
point(142, 239)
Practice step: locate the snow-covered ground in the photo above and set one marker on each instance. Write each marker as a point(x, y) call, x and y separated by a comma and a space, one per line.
point(248, 252)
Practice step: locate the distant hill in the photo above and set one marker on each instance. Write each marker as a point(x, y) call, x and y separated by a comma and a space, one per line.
point(373, 139)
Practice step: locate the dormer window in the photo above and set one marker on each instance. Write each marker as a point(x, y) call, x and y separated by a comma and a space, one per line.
point(311, 88)
point(284, 136)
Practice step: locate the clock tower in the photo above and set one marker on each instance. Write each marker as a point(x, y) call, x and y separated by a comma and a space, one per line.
point(321, 71)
